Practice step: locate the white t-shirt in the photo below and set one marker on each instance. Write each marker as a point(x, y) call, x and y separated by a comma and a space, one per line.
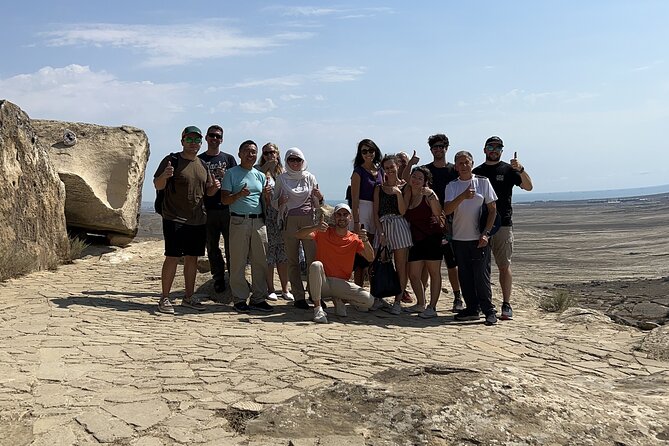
point(466, 216)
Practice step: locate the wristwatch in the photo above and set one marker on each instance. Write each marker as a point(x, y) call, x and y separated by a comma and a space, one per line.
point(486, 233)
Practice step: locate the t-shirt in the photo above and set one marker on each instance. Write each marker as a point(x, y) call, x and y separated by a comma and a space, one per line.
point(217, 164)
point(466, 216)
point(337, 252)
point(441, 176)
point(502, 177)
point(184, 191)
point(367, 182)
point(254, 179)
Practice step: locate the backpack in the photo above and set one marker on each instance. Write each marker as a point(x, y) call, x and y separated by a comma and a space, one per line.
point(160, 194)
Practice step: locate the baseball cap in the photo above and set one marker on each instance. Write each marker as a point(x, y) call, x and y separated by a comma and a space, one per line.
point(191, 129)
point(342, 206)
point(494, 140)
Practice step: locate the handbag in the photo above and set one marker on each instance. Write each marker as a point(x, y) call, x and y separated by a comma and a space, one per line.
point(383, 278)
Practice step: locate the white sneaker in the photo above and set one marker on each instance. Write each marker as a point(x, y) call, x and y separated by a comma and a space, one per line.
point(288, 296)
point(340, 308)
point(428, 313)
point(272, 296)
point(396, 308)
point(320, 316)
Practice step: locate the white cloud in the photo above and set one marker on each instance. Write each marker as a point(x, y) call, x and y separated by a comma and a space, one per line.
point(291, 97)
point(76, 93)
point(171, 44)
point(331, 74)
point(264, 106)
point(343, 13)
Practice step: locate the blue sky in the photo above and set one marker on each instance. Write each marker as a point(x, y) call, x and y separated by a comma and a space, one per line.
point(579, 89)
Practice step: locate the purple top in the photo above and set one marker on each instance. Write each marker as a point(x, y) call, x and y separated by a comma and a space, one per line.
point(367, 182)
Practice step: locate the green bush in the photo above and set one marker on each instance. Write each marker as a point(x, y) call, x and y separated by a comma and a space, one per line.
point(557, 302)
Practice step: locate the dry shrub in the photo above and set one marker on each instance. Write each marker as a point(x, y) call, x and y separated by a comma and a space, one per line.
point(557, 302)
point(77, 247)
point(13, 265)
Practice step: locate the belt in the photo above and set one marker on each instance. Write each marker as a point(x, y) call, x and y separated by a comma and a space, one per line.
point(233, 214)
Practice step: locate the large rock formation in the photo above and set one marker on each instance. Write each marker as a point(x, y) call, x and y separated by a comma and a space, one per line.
point(103, 171)
point(32, 199)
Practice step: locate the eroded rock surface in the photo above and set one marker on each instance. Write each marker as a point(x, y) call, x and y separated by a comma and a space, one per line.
point(103, 172)
point(32, 199)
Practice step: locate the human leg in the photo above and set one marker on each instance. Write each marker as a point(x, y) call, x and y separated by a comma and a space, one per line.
point(434, 269)
point(214, 254)
point(319, 286)
point(167, 274)
point(282, 271)
point(350, 292)
point(258, 258)
point(415, 274)
point(400, 257)
point(240, 238)
point(292, 246)
point(225, 230)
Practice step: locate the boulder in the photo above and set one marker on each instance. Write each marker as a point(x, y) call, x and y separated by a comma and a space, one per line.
point(103, 171)
point(32, 199)
point(656, 343)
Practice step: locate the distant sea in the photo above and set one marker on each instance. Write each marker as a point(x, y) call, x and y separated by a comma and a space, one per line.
point(530, 197)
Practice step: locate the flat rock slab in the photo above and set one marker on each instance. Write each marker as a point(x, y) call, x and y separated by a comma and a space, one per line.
point(142, 414)
point(105, 427)
point(277, 396)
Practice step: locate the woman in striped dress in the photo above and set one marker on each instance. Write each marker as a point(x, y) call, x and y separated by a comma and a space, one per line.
point(392, 228)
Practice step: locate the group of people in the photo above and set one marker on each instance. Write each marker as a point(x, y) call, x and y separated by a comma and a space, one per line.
point(271, 217)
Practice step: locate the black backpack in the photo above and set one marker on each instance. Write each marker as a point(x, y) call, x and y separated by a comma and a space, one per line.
point(160, 194)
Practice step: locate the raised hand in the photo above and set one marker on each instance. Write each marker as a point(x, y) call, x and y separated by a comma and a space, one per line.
point(515, 164)
point(169, 170)
point(317, 193)
point(213, 181)
point(245, 190)
point(322, 224)
point(414, 159)
point(362, 233)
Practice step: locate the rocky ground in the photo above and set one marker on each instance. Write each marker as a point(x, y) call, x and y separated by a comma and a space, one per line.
point(86, 359)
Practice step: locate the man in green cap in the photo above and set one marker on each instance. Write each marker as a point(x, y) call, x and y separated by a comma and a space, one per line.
point(185, 180)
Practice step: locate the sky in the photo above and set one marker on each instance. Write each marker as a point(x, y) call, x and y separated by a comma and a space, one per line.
point(580, 90)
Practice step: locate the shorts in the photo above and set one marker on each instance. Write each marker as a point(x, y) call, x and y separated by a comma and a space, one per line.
point(449, 255)
point(426, 249)
point(184, 240)
point(501, 245)
point(397, 230)
point(366, 216)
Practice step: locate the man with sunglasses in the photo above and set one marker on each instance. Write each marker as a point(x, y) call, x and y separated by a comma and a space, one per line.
point(503, 176)
point(186, 181)
point(218, 214)
point(443, 173)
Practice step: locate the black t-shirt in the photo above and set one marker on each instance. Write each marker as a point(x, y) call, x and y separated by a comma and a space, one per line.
point(217, 165)
point(502, 177)
point(441, 176)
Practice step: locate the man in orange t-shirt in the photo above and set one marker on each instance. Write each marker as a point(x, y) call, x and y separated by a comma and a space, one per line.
point(329, 274)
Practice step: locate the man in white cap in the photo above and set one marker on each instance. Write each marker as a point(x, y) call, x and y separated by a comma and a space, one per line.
point(329, 274)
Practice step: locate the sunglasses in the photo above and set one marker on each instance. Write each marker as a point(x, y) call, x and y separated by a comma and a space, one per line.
point(191, 140)
point(439, 146)
point(214, 136)
point(294, 160)
point(367, 151)
point(493, 148)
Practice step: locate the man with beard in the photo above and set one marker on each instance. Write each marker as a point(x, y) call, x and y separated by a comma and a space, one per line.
point(503, 176)
point(329, 274)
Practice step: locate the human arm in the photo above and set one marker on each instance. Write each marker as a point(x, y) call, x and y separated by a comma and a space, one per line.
point(525, 180)
point(307, 232)
point(484, 239)
point(213, 185)
point(367, 249)
point(160, 181)
point(355, 200)
point(406, 174)
point(451, 205)
point(227, 197)
point(377, 221)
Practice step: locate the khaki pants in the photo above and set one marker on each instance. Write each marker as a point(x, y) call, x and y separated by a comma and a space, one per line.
point(248, 240)
point(292, 246)
point(322, 286)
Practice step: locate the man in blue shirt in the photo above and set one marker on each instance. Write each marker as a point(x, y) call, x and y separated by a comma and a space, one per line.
point(245, 190)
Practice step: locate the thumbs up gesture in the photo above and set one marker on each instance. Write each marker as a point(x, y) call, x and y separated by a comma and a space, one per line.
point(515, 164)
point(317, 193)
point(213, 181)
point(322, 224)
point(414, 159)
point(169, 170)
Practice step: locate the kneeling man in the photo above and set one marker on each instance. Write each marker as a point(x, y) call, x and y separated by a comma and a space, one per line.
point(335, 251)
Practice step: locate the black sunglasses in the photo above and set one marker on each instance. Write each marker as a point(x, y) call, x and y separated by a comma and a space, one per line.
point(214, 136)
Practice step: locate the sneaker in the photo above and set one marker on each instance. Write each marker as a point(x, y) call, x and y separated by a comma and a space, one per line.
point(340, 308)
point(320, 316)
point(272, 296)
point(428, 313)
point(507, 312)
point(467, 316)
point(396, 308)
point(378, 303)
point(323, 304)
point(491, 319)
point(192, 302)
point(417, 308)
point(288, 296)
point(262, 306)
point(458, 305)
point(219, 286)
point(165, 306)
point(242, 307)
point(302, 304)
point(406, 297)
